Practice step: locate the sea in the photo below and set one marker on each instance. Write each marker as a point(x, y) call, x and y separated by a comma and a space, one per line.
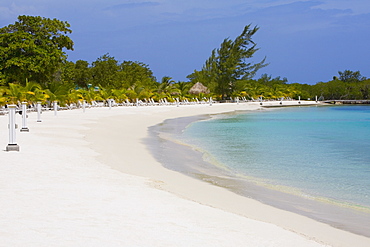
point(310, 160)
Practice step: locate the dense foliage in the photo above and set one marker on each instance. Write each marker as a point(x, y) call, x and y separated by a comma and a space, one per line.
point(228, 64)
point(34, 67)
point(32, 48)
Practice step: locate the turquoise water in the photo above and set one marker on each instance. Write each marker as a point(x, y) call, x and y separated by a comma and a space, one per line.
point(319, 152)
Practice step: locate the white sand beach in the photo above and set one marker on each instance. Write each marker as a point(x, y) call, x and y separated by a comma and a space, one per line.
point(88, 179)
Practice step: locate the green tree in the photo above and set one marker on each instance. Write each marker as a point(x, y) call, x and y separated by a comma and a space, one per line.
point(15, 93)
point(88, 94)
point(296, 89)
point(59, 92)
point(104, 72)
point(135, 91)
point(82, 73)
point(335, 90)
point(66, 74)
point(182, 89)
point(34, 93)
point(32, 48)
point(208, 75)
point(365, 89)
point(3, 98)
point(119, 95)
point(228, 63)
point(166, 85)
point(267, 80)
point(351, 76)
point(2, 79)
point(135, 73)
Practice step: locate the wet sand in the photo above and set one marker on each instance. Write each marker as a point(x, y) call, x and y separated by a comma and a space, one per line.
point(144, 164)
point(166, 148)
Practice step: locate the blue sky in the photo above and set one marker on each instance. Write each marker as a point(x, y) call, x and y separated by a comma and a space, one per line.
point(304, 41)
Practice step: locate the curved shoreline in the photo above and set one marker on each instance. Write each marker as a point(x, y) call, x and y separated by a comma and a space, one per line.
point(87, 178)
point(345, 218)
point(129, 145)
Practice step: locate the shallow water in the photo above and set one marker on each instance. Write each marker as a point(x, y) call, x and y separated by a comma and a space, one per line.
point(320, 151)
point(309, 160)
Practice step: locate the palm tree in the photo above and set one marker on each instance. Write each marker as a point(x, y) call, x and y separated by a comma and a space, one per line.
point(182, 89)
point(145, 93)
point(166, 85)
point(251, 91)
point(133, 92)
point(104, 94)
point(59, 92)
point(3, 99)
point(34, 93)
point(15, 93)
point(119, 95)
point(88, 94)
point(74, 96)
point(162, 90)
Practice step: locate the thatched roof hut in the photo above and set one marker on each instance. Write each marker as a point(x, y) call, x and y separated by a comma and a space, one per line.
point(198, 88)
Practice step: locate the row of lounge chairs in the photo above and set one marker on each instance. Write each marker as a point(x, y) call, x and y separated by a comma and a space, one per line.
point(111, 102)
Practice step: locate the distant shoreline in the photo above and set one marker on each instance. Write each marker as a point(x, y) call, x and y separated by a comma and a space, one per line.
point(347, 102)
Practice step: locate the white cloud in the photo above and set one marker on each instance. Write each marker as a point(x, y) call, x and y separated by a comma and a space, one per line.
point(13, 10)
point(356, 6)
point(10, 11)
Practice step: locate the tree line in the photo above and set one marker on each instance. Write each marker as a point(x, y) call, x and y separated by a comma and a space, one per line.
point(34, 67)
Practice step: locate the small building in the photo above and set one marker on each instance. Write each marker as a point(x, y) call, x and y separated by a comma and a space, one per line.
point(198, 88)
